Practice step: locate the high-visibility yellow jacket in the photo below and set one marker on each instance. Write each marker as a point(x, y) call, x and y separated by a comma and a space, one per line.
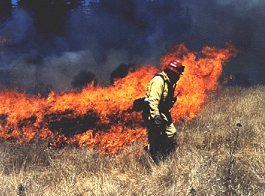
point(158, 94)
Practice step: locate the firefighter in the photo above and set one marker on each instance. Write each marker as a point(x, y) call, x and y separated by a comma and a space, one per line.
point(160, 98)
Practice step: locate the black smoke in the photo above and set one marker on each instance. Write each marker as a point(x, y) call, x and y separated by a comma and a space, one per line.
point(50, 42)
point(5, 10)
point(83, 78)
point(242, 22)
point(121, 71)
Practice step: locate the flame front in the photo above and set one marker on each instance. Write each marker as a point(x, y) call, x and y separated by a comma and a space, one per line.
point(99, 117)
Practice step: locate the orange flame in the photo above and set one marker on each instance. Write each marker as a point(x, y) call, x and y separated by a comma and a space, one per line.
point(98, 117)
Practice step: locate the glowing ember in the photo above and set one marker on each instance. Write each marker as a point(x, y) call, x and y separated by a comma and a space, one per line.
point(99, 117)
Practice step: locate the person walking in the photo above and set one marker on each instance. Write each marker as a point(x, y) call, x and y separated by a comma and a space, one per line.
point(160, 98)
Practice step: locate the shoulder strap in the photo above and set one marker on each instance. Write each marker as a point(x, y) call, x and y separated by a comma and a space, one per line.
point(159, 74)
point(163, 84)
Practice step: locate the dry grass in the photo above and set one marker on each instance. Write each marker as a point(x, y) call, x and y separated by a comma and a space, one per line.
point(216, 156)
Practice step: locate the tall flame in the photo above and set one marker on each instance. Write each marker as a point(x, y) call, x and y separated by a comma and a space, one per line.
point(99, 117)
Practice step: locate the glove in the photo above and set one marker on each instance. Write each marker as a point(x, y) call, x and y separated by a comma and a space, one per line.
point(159, 122)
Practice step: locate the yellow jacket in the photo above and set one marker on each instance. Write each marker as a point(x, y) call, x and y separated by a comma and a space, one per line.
point(158, 94)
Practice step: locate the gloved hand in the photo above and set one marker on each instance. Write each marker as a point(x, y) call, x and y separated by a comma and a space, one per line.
point(159, 122)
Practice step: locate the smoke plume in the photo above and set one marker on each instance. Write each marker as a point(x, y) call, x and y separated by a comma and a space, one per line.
point(98, 36)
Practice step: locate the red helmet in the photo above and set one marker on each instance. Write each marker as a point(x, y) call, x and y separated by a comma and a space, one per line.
point(176, 66)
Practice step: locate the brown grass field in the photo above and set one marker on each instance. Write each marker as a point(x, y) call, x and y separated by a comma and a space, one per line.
point(220, 152)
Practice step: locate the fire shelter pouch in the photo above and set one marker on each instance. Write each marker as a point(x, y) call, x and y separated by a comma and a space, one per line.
point(140, 104)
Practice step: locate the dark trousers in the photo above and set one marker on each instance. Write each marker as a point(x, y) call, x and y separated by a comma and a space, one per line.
point(160, 145)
